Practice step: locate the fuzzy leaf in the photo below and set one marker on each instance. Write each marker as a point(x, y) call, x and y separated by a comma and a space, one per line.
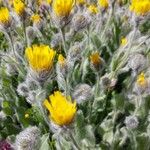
point(44, 142)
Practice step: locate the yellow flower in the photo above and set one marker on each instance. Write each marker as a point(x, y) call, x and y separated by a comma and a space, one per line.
point(49, 1)
point(103, 3)
point(26, 115)
point(35, 18)
point(61, 60)
point(140, 7)
point(4, 16)
point(80, 2)
point(95, 59)
point(61, 110)
point(141, 80)
point(62, 8)
point(19, 6)
point(39, 2)
point(40, 57)
point(124, 41)
point(93, 9)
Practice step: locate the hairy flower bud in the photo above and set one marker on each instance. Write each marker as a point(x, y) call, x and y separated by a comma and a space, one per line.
point(31, 35)
point(131, 122)
point(105, 81)
point(80, 22)
point(22, 89)
point(96, 61)
point(142, 84)
point(82, 93)
point(28, 139)
point(56, 40)
point(74, 54)
point(136, 62)
point(31, 99)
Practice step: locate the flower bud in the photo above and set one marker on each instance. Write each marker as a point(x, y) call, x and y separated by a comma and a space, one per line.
point(39, 76)
point(137, 62)
point(103, 4)
point(105, 81)
point(96, 61)
point(22, 89)
point(61, 70)
point(131, 122)
point(79, 22)
point(93, 9)
point(75, 52)
point(31, 99)
point(31, 35)
point(62, 65)
point(82, 93)
point(28, 139)
point(56, 40)
point(31, 83)
point(37, 21)
point(81, 2)
point(142, 85)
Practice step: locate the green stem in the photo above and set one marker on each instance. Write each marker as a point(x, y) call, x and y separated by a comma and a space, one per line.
point(12, 44)
point(39, 104)
point(88, 28)
point(107, 23)
point(25, 35)
point(62, 31)
point(97, 85)
point(67, 92)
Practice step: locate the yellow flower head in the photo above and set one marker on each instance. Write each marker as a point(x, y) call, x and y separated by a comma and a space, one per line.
point(95, 59)
point(93, 9)
point(124, 41)
point(141, 80)
point(140, 7)
point(35, 18)
point(61, 60)
point(103, 3)
point(49, 1)
point(121, 2)
point(62, 8)
point(39, 2)
point(4, 16)
point(19, 6)
point(61, 110)
point(26, 115)
point(40, 57)
point(81, 2)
